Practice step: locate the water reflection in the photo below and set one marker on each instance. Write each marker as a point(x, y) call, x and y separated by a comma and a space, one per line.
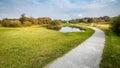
point(70, 29)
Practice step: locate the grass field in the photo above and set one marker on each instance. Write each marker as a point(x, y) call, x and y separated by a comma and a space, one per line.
point(111, 53)
point(34, 47)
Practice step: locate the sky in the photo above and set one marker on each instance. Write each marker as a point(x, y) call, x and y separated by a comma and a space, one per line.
point(59, 9)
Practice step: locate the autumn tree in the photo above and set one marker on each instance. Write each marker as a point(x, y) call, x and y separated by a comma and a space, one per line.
point(44, 20)
point(33, 20)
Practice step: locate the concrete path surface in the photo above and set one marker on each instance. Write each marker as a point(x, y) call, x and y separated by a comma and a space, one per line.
point(86, 55)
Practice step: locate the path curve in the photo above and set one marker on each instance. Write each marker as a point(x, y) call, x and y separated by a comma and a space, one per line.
point(86, 55)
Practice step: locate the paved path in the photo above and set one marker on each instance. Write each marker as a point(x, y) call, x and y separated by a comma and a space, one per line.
point(86, 55)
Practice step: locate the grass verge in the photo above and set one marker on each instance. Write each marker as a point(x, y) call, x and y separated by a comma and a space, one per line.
point(111, 53)
point(35, 46)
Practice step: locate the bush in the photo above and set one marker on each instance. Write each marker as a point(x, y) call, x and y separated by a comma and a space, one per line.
point(115, 25)
point(10, 23)
point(27, 23)
point(44, 25)
point(15, 24)
point(57, 27)
point(33, 20)
point(0, 22)
point(55, 24)
point(5, 23)
point(44, 20)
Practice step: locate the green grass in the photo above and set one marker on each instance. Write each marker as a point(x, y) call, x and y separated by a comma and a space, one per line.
point(111, 53)
point(35, 46)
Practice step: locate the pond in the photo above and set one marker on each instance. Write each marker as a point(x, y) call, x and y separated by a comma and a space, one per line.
point(70, 29)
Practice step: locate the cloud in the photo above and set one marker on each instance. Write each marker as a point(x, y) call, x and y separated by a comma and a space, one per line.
point(80, 15)
point(59, 9)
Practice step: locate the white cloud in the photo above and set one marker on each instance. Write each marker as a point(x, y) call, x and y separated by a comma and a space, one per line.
point(80, 15)
point(61, 9)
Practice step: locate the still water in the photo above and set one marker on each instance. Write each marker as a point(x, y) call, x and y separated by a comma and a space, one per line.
point(70, 29)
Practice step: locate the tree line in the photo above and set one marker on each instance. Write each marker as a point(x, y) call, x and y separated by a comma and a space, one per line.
point(91, 20)
point(45, 21)
point(28, 21)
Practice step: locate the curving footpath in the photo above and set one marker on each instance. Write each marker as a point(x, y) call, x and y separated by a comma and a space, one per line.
point(86, 55)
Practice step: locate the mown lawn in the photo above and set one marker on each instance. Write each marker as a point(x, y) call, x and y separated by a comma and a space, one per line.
point(111, 53)
point(34, 47)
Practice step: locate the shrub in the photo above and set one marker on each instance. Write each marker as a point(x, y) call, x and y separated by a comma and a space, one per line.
point(15, 24)
point(33, 20)
point(44, 25)
point(44, 20)
point(27, 23)
point(5, 23)
point(55, 24)
point(10, 23)
point(57, 27)
point(115, 25)
point(0, 21)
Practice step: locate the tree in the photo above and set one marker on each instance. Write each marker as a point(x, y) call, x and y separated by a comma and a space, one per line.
point(63, 21)
point(90, 20)
point(23, 18)
point(115, 25)
point(44, 20)
point(33, 20)
point(80, 20)
point(106, 18)
point(72, 21)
